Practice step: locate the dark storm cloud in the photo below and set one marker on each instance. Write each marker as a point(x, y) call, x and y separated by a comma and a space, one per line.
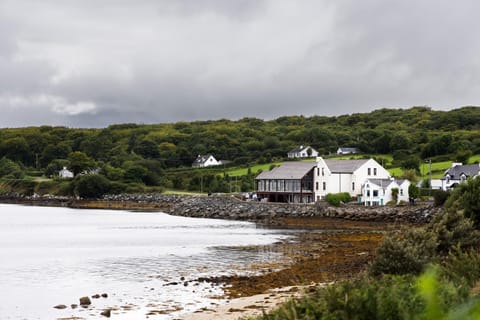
point(90, 63)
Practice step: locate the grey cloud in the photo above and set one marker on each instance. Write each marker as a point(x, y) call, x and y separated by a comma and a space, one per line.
point(164, 61)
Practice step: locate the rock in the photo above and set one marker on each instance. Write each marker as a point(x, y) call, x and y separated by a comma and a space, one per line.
point(104, 295)
point(60, 306)
point(85, 301)
point(106, 313)
point(74, 306)
point(96, 296)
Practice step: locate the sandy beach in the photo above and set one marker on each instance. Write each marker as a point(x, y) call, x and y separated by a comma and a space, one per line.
point(249, 306)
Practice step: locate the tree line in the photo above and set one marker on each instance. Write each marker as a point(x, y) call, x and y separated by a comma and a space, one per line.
point(134, 153)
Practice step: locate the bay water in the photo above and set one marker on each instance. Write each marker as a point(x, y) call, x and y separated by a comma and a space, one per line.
point(146, 262)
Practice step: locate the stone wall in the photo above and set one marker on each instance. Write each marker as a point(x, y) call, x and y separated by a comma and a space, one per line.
point(224, 207)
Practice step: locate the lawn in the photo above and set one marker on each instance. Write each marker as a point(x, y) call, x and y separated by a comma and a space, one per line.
point(243, 171)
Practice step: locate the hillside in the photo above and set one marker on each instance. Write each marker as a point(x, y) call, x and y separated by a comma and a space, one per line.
point(135, 156)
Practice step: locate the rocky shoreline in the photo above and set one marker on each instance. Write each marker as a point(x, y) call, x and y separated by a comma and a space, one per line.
point(229, 207)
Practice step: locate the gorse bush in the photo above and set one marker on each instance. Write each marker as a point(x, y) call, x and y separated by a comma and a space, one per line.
point(466, 198)
point(336, 198)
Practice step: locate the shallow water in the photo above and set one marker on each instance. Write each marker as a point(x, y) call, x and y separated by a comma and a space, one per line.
point(52, 256)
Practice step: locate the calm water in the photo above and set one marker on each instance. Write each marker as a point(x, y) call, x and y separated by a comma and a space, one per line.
point(51, 256)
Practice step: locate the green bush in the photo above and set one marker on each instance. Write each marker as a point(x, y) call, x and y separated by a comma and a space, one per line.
point(466, 197)
point(440, 197)
point(336, 198)
point(91, 185)
point(404, 254)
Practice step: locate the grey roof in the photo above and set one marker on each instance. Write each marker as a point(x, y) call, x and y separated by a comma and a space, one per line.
point(201, 159)
point(294, 170)
point(381, 182)
point(470, 170)
point(344, 166)
point(299, 148)
point(349, 149)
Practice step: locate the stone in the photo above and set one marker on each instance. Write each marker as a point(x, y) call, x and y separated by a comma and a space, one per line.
point(85, 301)
point(96, 296)
point(60, 306)
point(106, 313)
point(104, 295)
point(74, 306)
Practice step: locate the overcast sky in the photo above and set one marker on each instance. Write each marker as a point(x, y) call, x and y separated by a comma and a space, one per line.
point(91, 63)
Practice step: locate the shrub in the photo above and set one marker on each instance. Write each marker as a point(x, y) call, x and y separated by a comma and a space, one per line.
point(336, 198)
point(466, 197)
point(439, 197)
point(91, 186)
point(407, 254)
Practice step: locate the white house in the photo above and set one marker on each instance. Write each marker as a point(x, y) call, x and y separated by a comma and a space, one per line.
point(65, 173)
point(302, 152)
point(347, 150)
point(459, 173)
point(334, 176)
point(205, 161)
point(378, 192)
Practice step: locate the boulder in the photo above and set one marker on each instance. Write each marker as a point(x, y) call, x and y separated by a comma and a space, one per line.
point(85, 301)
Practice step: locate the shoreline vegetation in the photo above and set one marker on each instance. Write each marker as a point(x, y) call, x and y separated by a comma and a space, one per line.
point(332, 245)
point(377, 269)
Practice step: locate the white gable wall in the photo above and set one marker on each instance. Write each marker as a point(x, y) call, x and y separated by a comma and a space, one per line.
point(326, 181)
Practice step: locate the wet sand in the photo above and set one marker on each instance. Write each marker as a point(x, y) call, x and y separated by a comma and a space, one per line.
point(326, 250)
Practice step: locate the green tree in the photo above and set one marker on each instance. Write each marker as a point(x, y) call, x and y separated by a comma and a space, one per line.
point(91, 185)
point(10, 169)
point(79, 161)
point(413, 191)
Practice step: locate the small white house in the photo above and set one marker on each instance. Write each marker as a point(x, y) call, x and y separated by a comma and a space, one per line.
point(65, 173)
point(341, 151)
point(205, 161)
point(378, 192)
point(459, 173)
point(302, 152)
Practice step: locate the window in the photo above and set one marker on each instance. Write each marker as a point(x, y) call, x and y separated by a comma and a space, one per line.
point(318, 172)
point(369, 171)
point(375, 193)
point(374, 171)
point(324, 186)
point(316, 186)
point(353, 185)
point(323, 171)
point(401, 192)
point(368, 193)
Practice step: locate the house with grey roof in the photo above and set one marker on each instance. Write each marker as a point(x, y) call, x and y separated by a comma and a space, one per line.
point(347, 150)
point(459, 173)
point(378, 192)
point(302, 152)
point(291, 182)
point(335, 176)
point(205, 161)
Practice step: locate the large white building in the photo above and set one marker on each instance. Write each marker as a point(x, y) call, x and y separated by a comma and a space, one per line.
point(335, 176)
point(308, 182)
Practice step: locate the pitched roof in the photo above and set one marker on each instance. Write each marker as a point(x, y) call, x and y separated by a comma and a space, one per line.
point(382, 182)
point(469, 170)
point(202, 159)
point(294, 170)
point(344, 166)
point(299, 148)
point(348, 149)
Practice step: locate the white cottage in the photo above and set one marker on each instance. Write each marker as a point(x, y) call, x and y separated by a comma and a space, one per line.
point(335, 176)
point(302, 152)
point(205, 161)
point(65, 173)
point(459, 173)
point(378, 192)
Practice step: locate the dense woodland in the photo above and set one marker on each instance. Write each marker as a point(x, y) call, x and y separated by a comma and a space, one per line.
point(134, 155)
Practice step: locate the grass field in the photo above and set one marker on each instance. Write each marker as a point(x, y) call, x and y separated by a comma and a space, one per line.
point(243, 171)
point(438, 168)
